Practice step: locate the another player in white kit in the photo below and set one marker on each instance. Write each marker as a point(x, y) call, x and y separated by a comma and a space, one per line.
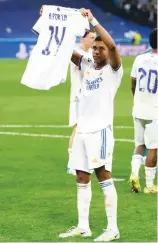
point(85, 48)
point(145, 112)
point(93, 143)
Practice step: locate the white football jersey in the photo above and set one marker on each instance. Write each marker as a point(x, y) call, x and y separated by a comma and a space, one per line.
point(97, 96)
point(76, 75)
point(50, 58)
point(145, 71)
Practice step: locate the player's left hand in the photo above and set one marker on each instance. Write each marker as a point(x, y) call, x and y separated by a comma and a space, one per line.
point(41, 11)
point(87, 13)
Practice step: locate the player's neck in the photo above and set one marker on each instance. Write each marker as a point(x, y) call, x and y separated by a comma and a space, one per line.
point(84, 47)
point(100, 65)
point(154, 51)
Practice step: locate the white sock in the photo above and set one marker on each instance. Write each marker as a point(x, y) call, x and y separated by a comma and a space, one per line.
point(150, 173)
point(144, 160)
point(84, 195)
point(110, 195)
point(69, 153)
point(69, 170)
point(136, 162)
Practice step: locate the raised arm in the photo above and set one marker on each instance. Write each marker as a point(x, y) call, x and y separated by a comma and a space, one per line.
point(133, 80)
point(114, 55)
point(76, 58)
point(134, 76)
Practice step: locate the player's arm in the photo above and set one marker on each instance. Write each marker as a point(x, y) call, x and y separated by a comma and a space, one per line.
point(134, 81)
point(36, 28)
point(76, 58)
point(134, 76)
point(114, 55)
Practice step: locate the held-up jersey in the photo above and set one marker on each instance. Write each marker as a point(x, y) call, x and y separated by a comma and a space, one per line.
point(49, 60)
point(76, 75)
point(97, 96)
point(145, 71)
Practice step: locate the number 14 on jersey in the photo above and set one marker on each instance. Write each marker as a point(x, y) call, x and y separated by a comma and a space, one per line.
point(54, 35)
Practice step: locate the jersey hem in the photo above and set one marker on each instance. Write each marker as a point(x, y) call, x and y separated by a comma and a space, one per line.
point(35, 32)
point(144, 118)
point(96, 130)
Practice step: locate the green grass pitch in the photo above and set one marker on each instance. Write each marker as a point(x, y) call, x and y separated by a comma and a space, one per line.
point(37, 197)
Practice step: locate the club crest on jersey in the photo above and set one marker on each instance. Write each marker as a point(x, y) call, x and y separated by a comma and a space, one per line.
point(88, 73)
point(94, 160)
point(93, 84)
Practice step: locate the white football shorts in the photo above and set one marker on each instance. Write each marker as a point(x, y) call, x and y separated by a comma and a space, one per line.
point(73, 112)
point(92, 150)
point(146, 133)
point(151, 135)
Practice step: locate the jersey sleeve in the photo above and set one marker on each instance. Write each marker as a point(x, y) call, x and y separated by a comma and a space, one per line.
point(85, 63)
point(37, 27)
point(82, 25)
point(117, 77)
point(134, 69)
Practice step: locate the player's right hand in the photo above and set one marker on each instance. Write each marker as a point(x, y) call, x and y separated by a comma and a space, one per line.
point(87, 13)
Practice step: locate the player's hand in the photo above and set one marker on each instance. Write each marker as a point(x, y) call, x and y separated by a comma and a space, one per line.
point(41, 11)
point(87, 13)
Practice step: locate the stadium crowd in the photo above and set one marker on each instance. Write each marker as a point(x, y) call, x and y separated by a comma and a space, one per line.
point(147, 7)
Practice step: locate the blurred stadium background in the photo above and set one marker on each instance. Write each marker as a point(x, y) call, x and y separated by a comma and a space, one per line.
point(122, 18)
point(37, 197)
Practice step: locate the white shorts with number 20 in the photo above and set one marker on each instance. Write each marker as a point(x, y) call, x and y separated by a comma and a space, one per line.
point(146, 133)
point(73, 112)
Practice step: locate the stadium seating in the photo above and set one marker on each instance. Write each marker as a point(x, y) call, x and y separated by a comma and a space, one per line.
point(17, 18)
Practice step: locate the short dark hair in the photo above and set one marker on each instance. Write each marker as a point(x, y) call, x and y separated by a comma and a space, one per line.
point(153, 39)
point(88, 31)
point(98, 38)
